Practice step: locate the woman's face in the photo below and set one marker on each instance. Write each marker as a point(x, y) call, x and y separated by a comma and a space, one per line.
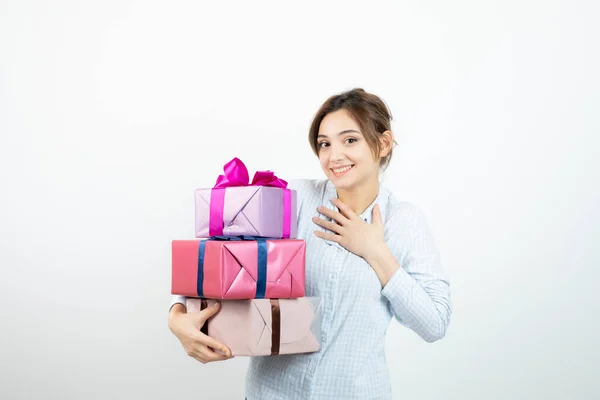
point(345, 155)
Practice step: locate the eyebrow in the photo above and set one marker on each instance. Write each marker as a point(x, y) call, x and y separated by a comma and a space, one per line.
point(341, 133)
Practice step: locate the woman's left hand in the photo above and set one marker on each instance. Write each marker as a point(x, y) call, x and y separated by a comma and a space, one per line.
point(351, 232)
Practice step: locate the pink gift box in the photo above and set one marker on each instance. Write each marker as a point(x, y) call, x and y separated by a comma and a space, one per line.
point(243, 269)
point(235, 206)
point(261, 327)
point(247, 210)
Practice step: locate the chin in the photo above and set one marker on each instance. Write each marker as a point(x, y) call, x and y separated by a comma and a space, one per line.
point(342, 183)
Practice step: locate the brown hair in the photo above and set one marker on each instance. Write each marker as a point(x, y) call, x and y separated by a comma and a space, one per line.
point(369, 112)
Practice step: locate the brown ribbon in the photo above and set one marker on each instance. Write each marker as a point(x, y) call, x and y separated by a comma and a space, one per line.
point(204, 305)
point(275, 324)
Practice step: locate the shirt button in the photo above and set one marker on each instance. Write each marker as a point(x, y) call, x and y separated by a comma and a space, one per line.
point(333, 275)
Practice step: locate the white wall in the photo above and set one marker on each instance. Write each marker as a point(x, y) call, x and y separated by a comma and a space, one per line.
point(113, 112)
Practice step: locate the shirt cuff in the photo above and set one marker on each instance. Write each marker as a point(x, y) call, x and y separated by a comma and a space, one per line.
point(177, 300)
point(399, 288)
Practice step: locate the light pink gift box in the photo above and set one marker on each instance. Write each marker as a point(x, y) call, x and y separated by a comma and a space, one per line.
point(248, 210)
point(236, 206)
point(262, 327)
point(230, 269)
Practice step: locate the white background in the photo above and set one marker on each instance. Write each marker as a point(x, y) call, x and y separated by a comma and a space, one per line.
point(113, 112)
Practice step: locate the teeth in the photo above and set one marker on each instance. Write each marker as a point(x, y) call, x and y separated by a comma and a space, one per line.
point(340, 170)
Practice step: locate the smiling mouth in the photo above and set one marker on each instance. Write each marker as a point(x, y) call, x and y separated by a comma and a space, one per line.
point(339, 172)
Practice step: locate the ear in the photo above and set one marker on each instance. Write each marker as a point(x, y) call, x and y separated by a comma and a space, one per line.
point(387, 141)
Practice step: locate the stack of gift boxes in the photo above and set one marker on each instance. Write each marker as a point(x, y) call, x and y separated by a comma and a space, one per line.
point(246, 256)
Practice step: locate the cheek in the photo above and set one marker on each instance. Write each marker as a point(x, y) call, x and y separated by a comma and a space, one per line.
point(361, 154)
point(364, 156)
point(323, 160)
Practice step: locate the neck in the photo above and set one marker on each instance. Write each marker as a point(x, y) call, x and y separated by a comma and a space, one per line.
point(360, 197)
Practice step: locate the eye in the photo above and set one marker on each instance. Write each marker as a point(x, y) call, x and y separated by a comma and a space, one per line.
point(322, 144)
point(351, 140)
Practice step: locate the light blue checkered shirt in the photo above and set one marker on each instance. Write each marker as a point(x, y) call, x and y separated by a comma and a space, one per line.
point(356, 310)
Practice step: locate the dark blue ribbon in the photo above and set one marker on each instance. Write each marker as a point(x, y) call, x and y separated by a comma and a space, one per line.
point(200, 282)
point(261, 283)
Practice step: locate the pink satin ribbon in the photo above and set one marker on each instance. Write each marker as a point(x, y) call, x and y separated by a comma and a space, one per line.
point(236, 174)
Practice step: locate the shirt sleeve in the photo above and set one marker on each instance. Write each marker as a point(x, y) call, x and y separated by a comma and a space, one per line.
point(177, 299)
point(302, 188)
point(419, 291)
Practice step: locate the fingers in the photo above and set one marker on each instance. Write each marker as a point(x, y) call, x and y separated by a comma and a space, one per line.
point(344, 209)
point(202, 340)
point(206, 355)
point(328, 236)
point(327, 225)
point(205, 340)
point(210, 311)
point(209, 356)
point(377, 215)
point(334, 215)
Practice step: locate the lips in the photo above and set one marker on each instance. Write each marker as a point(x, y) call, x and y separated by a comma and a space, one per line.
point(341, 171)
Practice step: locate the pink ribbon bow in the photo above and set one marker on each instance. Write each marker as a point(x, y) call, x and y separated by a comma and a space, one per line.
point(236, 174)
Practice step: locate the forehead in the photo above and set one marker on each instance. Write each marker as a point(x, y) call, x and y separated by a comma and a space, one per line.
point(336, 122)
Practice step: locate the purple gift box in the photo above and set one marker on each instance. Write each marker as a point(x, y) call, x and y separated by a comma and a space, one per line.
point(234, 207)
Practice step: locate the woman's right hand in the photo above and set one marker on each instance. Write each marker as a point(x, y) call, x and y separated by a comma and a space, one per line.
point(186, 326)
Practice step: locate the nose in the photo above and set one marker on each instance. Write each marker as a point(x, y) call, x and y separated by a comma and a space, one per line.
point(335, 154)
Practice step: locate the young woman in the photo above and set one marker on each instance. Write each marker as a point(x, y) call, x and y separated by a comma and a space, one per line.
point(369, 256)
